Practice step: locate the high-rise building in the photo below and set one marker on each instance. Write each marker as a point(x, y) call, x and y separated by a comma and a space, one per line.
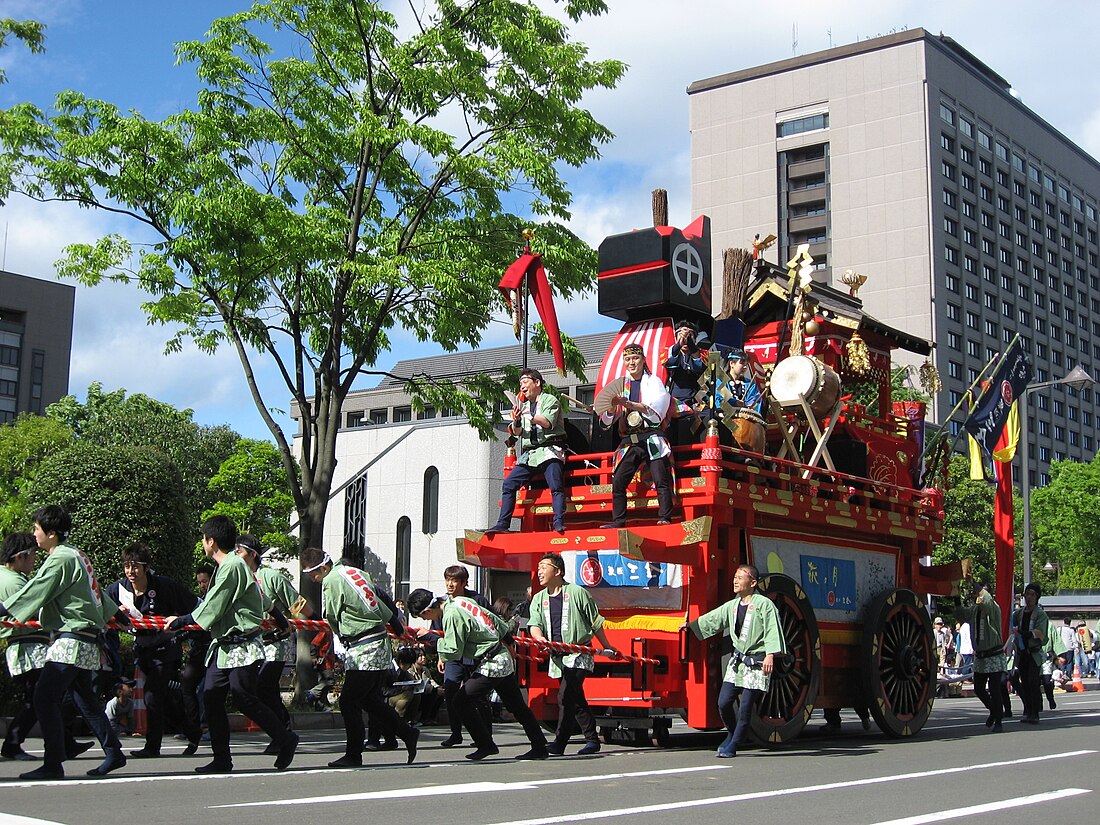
point(907, 159)
point(36, 336)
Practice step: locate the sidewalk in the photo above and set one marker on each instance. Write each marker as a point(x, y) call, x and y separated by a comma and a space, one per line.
point(1090, 683)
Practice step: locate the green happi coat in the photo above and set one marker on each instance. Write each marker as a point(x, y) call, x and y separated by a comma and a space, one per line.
point(547, 444)
point(580, 619)
point(27, 646)
point(353, 609)
point(985, 623)
point(66, 597)
point(278, 591)
point(760, 635)
point(472, 633)
point(231, 613)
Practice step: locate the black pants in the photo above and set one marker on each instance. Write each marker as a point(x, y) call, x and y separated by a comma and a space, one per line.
point(475, 692)
point(242, 682)
point(1029, 684)
point(363, 692)
point(269, 692)
point(737, 722)
point(635, 456)
point(157, 674)
point(990, 688)
point(54, 679)
point(572, 705)
point(192, 677)
point(26, 717)
point(454, 674)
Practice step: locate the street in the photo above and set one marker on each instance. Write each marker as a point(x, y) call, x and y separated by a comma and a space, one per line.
point(955, 768)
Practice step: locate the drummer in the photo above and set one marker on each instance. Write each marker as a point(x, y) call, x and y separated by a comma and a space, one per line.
point(742, 386)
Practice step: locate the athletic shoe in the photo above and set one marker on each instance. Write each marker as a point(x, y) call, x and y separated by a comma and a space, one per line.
point(590, 747)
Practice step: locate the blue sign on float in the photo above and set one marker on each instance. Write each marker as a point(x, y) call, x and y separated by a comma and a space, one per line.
point(603, 569)
point(830, 584)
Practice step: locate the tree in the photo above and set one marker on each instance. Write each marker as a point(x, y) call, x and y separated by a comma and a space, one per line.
point(250, 487)
point(24, 443)
point(117, 496)
point(968, 522)
point(1065, 517)
point(30, 32)
point(115, 419)
point(349, 176)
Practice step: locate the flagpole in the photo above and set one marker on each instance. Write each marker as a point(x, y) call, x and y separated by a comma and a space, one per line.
point(966, 395)
point(526, 300)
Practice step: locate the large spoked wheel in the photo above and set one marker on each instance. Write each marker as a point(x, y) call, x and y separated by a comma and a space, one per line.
point(899, 662)
point(786, 707)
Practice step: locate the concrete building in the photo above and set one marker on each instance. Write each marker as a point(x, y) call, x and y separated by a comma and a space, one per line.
point(36, 335)
point(907, 159)
point(407, 485)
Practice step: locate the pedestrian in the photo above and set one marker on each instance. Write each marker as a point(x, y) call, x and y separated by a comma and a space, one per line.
point(358, 613)
point(752, 621)
point(233, 612)
point(965, 648)
point(989, 656)
point(143, 592)
point(25, 653)
point(66, 598)
point(280, 601)
point(473, 634)
point(639, 412)
point(564, 612)
point(196, 646)
point(1029, 637)
point(1057, 656)
point(1084, 649)
point(455, 671)
point(538, 422)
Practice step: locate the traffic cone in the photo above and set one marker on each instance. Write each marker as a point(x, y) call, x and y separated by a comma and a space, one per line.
point(1078, 686)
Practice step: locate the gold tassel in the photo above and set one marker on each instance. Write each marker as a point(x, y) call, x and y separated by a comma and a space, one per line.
point(930, 378)
point(859, 358)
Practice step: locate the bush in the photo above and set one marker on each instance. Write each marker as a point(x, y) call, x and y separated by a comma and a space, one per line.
point(117, 496)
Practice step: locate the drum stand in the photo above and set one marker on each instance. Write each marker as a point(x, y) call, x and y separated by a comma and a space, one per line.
point(801, 409)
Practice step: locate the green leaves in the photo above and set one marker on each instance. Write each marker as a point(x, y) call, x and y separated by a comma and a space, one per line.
point(340, 176)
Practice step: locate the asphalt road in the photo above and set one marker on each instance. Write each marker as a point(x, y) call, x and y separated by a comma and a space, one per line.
point(955, 769)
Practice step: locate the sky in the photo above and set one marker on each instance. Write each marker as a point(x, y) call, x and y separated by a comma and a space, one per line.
point(123, 52)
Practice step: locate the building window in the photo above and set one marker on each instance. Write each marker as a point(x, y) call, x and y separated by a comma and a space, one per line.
point(983, 139)
point(430, 512)
point(401, 414)
point(947, 114)
point(355, 514)
point(403, 558)
point(379, 416)
point(427, 412)
point(947, 169)
point(802, 124)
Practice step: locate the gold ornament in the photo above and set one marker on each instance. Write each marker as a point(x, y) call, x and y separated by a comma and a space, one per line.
point(528, 234)
point(859, 357)
point(813, 327)
point(930, 378)
point(853, 280)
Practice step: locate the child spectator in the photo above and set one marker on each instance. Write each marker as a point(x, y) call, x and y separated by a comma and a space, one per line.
point(120, 711)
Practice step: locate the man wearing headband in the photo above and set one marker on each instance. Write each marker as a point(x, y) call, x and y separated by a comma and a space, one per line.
point(66, 598)
point(1029, 637)
point(564, 612)
point(472, 633)
point(640, 412)
point(358, 613)
point(141, 592)
point(233, 611)
point(752, 621)
point(743, 387)
point(280, 643)
point(989, 656)
point(540, 426)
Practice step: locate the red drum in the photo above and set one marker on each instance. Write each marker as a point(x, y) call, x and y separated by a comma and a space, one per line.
point(802, 376)
point(748, 429)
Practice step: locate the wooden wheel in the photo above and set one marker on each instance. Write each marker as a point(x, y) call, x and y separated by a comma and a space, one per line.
point(786, 707)
point(899, 662)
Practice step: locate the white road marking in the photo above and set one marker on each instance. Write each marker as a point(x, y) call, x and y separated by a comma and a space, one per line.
point(473, 787)
point(772, 794)
point(13, 819)
point(1002, 805)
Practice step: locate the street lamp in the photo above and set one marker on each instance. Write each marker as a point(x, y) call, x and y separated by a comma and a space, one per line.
point(1054, 568)
point(1078, 378)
